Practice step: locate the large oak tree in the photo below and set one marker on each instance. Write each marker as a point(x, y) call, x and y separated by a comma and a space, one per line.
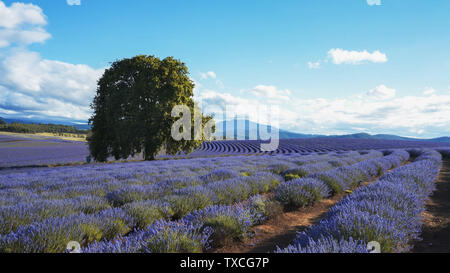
point(132, 108)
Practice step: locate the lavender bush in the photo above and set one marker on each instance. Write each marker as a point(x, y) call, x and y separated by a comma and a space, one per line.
point(387, 211)
point(180, 205)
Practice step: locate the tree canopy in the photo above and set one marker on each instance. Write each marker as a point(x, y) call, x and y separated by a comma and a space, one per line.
point(133, 105)
point(33, 128)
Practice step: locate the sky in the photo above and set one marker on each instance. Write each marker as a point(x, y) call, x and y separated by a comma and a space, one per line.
point(331, 67)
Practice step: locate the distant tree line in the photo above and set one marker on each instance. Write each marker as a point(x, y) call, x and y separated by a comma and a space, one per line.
point(33, 128)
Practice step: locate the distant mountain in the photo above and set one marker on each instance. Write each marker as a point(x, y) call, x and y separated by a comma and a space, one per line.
point(250, 130)
point(369, 136)
point(441, 139)
point(247, 128)
point(78, 125)
point(388, 137)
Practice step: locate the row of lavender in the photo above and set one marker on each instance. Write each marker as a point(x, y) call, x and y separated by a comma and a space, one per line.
point(42, 209)
point(386, 212)
point(19, 152)
point(309, 145)
point(216, 224)
point(312, 188)
point(38, 185)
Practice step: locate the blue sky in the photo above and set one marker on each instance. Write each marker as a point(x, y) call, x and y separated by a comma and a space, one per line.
point(332, 66)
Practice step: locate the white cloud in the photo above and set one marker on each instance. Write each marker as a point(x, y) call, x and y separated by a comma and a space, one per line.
point(415, 114)
point(53, 88)
point(270, 92)
point(73, 2)
point(382, 92)
point(208, 75)
point(22, 36)
point(423, 116)
point(220, 99)
point(374, 2)
point(243, 108)
point(33, 86)
point(429, 91)
point(22, 24)
point(417, 131)
point(340, 56)
point(314, 65)
point(20, 13)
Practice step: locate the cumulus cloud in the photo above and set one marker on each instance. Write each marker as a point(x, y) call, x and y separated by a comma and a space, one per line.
point(31, 86)
point(425, 116)
point(341, 56)
point(314, 65)
point(374, 2)
point(74, 2)
point(20, 13)
point(208, 75)
point(220, 99)
point(269, 92)
point(216, 103)
point(22, 24)
point(55, 88)
point(429, 91)
point(382, 92)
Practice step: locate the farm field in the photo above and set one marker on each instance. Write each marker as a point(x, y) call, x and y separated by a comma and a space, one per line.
point(33, 150)
point(224, 136)
point(19, 150)
point(310, 145)
point(205, 204)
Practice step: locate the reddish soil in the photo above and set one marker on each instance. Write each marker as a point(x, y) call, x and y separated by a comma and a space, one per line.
point(436, 228)
point(282, 230)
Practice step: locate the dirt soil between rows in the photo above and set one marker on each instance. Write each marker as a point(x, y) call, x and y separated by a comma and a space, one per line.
point(436, 226)
point(282, 230)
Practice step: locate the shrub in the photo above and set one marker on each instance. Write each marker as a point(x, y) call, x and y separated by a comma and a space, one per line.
point(387, 211)
point(160, 237)
point(190, 199)
point(230, 191)
point(265, 207)
point(327, 245)
point(147, 212)
point(218, 175)
point(294, 173)
point(263, 182)
point(53, 234)
point(279, 168)
point(301, 192)
point(334, 182)
point(113, 222)
point(91, 233)
point(48, 236)
point(226, 222)
point(123, 196)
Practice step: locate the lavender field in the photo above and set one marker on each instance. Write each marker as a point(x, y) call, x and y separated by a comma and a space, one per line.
point(21, 151)
point(24, 151)
point(310, 145)
point(250, 132)
point(202, 204)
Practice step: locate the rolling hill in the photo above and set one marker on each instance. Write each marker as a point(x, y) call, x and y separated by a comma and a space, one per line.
point(249, 130)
